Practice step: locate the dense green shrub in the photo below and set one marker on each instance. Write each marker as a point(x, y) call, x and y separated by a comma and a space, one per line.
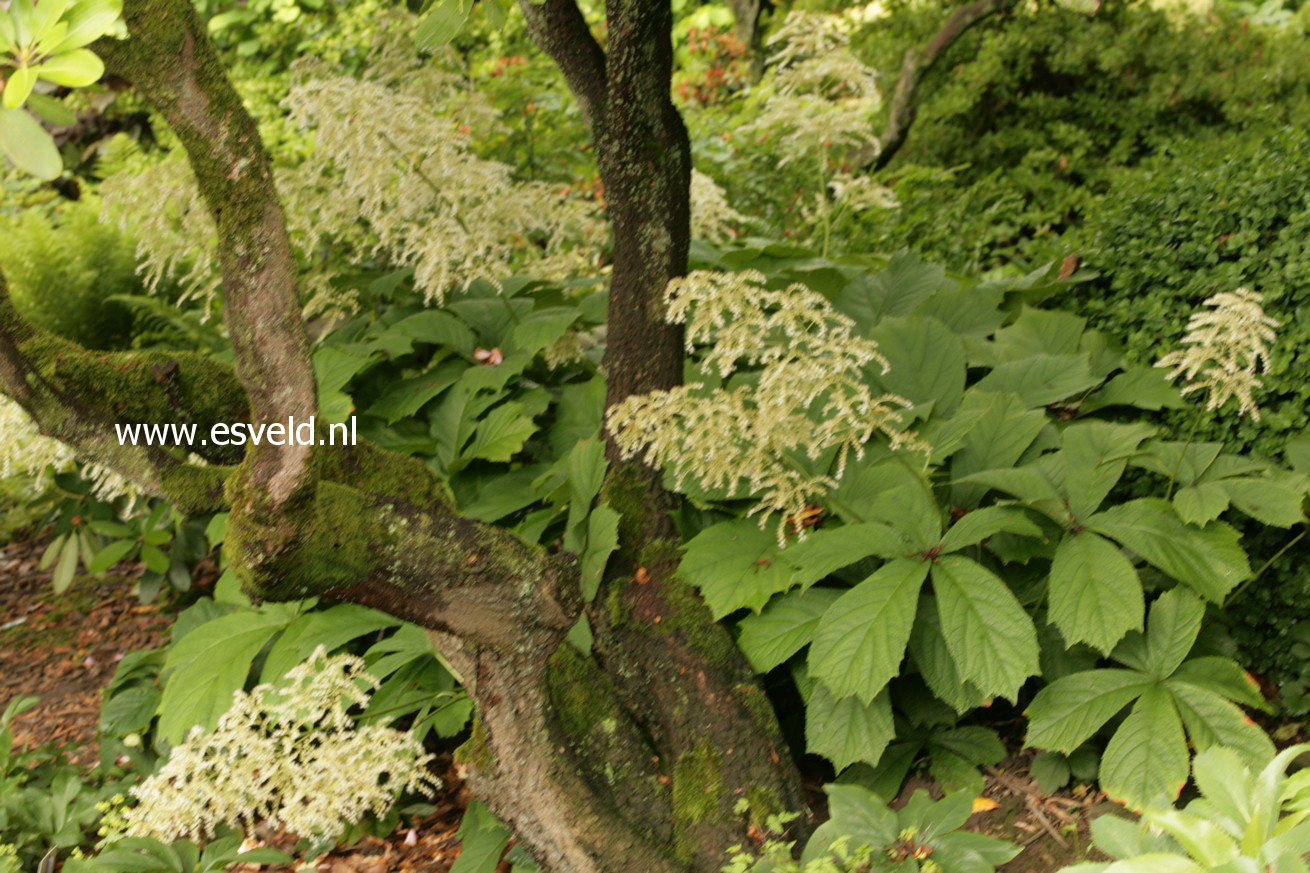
point(62, 270)
point(1040, 112)
point(1190, 223)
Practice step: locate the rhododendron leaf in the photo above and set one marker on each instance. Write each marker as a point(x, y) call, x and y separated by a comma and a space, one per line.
point(74, 69)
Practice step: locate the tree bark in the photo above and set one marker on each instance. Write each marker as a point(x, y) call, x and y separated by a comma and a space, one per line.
point(916, 64)
point(632, 758)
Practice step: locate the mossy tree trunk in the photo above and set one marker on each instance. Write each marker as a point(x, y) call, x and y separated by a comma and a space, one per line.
point(632, 758)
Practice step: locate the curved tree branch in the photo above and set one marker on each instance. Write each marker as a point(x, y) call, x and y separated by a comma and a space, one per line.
point(916, 64)
point(561, 31)
point(170, 59)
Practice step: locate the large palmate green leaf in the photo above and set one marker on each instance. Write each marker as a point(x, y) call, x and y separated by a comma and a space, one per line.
point(990, 637)
point(847, 730)
point(926, 362)
point(207, 666)
point(1094, 593)
point(1209, 559)
point(996, 441)
point(784, 627)
point(935, 663)
point(1176, 701)
point(1066, 713)
point(1146, 762)
point(828, 550)
point(735, 564)
point(861, 639)
point(1041, 380)
point(330, 628)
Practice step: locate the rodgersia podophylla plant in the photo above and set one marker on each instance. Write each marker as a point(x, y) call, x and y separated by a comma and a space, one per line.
point(1226, 347)
point(823, 95)
point(290, 754)
point(809, 394)
point(712, 216)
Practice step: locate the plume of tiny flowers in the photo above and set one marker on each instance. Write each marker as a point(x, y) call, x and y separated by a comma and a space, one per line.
point(823, 95)
point(1226, 346)
point(807, 394)
point(712, 216)
point(290, 754)
point(24, 450)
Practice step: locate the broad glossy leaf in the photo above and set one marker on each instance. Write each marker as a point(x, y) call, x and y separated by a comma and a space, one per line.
point(67, 566)
point(1146, 761)
point(543, 327)
point(861, 639)
point(1066, 713)
point(735, 564)
point(990, 637)
point(602, 540)
point(109, 556)
point(25, 142)
point(784, 627)
point(847, 730)
point(857, 815)
point(437, 328)
point(74, 69)
point(1209, 559)
point(501, 434)
point(331, 628)
point(442, 23)
point(19, 86)
point(1095, 595)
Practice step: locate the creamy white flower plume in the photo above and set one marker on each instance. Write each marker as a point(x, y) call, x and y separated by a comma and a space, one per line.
point(1225, 348)
point(806, 393)
point(290, 754)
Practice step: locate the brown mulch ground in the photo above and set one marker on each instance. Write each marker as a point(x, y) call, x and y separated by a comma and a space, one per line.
point(63, 649)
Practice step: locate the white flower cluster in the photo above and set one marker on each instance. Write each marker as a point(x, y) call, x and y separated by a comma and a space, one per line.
point(1226, 347)
point(807, 393)
point(176, 238)
point(379, 165)
point(24, 450)
point(290, 754)
point(823, 95)
point(712, 216)
point(424, 198)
